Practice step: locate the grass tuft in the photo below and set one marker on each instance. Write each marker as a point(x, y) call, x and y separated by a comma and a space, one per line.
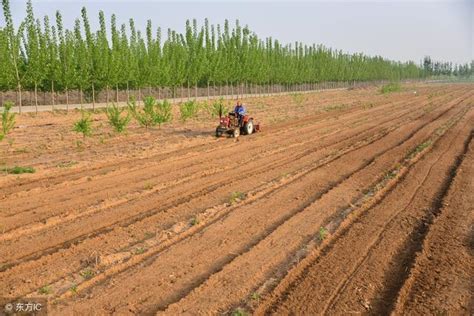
point(66, 164)
point(148, 186)
point(336, 107)
point(45, 290)
point(323, 233)
point(255, 296)
point(236, 196)
point(298, 98)
point(18, 170)
point(391, 87)
point(419, 149)
point(139, 250)
point(73, 288)
point(194, 221)
point(87, 274)
point(239, 312)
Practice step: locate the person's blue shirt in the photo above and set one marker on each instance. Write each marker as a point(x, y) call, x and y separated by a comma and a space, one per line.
point(239, 109)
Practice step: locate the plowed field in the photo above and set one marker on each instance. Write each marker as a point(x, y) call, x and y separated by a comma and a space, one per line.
point(346, 202)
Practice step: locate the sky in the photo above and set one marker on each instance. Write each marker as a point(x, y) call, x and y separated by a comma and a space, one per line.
point(399, 30)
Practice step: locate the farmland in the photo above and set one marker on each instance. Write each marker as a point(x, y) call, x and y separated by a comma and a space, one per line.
point(346, 201)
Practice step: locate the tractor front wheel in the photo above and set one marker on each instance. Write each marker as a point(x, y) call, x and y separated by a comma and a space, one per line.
point(218, 132)
point(236, 132)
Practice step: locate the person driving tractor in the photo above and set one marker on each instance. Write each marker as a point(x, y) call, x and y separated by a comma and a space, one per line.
point(239, 110)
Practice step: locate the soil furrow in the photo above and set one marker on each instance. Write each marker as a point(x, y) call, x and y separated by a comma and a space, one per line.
point(358, 236)
point(218, 185)
point(175, 207)
point(33, 205)
point(440, 281)
point(182, 178)
point(347, 201)
point(220, 290)
point(396, 273)
point(188, 164)
point(280, 127)
point(344, 160)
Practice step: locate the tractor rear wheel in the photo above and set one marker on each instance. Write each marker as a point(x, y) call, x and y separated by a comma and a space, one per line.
point(248, 127)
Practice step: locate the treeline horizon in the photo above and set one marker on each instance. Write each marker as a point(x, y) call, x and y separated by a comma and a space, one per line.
point(42, 55)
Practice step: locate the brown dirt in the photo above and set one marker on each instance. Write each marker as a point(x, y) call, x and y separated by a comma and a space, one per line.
point(441, 280)
point(147, 222)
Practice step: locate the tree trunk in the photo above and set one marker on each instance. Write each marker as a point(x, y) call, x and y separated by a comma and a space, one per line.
point(189, 95)
point(80, 96)
point(116, 94)
point(195, 91)
point(93, 98)
point(36, 98)
point(52, 94)
point(128, 93)
point(67, 99)
point(19, 94)
point(107, 95)
point(139, 94)
point(208, 92)
point(1, 98)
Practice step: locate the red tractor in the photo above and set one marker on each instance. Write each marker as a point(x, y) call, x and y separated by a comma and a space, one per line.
point(231, 125)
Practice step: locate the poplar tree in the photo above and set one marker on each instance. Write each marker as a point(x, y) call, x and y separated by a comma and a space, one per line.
point(13, 49)
point(49, 57)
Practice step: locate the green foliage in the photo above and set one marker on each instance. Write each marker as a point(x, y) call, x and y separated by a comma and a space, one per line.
point(45, 290)
point(118, 121)
point(47, 57)
point(19, 170)
point(323, 232)
point(153, 113)
point(84, 124)
point(335, 107)
point(145, 117)
point(194, 221)
point(236, 196)
point(239, 312)
point(163, 112)
point(298, 98)
point(188, 110)
point(73, 289)
point(8, 120)
point(255, 296)
point(391, 87)
point(66, 164)
point(139, 250)
point(87, 274)
point(415, 151)
point(218, 107)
